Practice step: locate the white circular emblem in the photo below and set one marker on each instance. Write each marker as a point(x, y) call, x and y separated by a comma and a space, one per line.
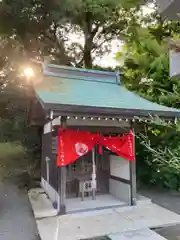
point(81, 148)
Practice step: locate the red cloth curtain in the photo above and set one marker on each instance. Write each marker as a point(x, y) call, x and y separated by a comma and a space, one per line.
point(122, 146)
point(73, 144)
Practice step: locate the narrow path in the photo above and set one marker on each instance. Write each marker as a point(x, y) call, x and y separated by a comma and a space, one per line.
point(16, 217)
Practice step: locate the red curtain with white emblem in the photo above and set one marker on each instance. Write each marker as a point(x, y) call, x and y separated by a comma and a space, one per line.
point(73, 144)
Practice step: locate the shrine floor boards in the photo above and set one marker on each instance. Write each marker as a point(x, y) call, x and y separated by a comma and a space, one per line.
point(75, 205)
point(106, 201)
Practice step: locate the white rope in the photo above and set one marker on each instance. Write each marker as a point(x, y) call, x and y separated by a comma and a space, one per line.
point(93, 170)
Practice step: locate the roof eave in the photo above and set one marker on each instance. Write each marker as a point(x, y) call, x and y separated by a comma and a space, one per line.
point(65, 110)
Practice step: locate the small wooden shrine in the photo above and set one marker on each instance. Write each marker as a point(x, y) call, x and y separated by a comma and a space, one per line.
point(97, 102)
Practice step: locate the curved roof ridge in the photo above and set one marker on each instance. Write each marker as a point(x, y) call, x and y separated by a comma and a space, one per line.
point(81, 73)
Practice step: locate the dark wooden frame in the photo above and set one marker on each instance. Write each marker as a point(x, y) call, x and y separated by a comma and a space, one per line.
point(62, 177)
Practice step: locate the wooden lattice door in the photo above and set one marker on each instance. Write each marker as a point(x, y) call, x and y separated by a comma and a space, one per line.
point(103, 172)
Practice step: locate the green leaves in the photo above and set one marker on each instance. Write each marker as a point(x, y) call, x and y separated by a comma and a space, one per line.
point(146, 68)
point(127, 4)
point(99, 22)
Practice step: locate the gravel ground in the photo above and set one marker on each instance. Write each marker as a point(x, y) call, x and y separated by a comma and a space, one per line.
point(168, 200)
point(16, 217)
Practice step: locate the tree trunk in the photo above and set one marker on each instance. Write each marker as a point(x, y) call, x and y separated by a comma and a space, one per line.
point(87, 52)
point(89, 35)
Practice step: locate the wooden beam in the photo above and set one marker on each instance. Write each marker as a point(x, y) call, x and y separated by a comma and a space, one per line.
point(93, 122)
point(102, 130)
point(62, 181)
point(133, 182)
point(132, 166)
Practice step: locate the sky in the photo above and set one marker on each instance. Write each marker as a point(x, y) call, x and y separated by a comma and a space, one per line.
point(109, 59)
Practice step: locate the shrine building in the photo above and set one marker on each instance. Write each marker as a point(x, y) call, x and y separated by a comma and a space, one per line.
point(91, 101)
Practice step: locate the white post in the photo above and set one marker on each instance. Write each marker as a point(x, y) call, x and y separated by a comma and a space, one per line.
point(93, 174)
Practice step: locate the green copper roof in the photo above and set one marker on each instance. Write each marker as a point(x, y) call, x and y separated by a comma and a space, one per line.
point(71, 86)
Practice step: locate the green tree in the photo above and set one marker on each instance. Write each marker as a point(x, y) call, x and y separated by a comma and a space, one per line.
point(98, 22)
point(48, 28)
point(146, 66)
point(34, 26)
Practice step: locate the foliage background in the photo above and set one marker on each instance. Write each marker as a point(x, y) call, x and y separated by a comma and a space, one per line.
point(34, 29)
point(145, 60)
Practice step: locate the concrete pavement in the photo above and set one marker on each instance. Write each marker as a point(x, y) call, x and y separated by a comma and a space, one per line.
point(105, 222)
point(169, 200)
point(16, 216)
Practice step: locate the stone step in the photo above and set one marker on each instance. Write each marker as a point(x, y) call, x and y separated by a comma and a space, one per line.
point(142, 234)
point(41, 205)
point(143, 200)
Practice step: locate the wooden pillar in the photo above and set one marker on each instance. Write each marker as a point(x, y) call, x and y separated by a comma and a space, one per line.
point(62, 181)
point(62, 173)
point(47, 169)
point(133, 178)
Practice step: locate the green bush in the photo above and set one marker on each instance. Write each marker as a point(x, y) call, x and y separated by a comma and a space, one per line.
point(12, 158)
point(11, 149)
point(158, 160)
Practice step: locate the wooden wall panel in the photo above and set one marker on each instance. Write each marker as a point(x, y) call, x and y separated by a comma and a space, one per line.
point(49, 149)
point(46, 152)
point(54, 145)
point(53, 180)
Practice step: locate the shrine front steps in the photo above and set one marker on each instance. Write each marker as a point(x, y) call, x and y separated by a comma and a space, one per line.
point(41, 205)
point(143, 200)
point(43, 208)
point(142, 234)
point(107, 222)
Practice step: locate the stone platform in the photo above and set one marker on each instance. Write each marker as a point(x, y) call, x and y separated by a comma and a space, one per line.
point(41, 205)
point(109, 222)
point(143, 234)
